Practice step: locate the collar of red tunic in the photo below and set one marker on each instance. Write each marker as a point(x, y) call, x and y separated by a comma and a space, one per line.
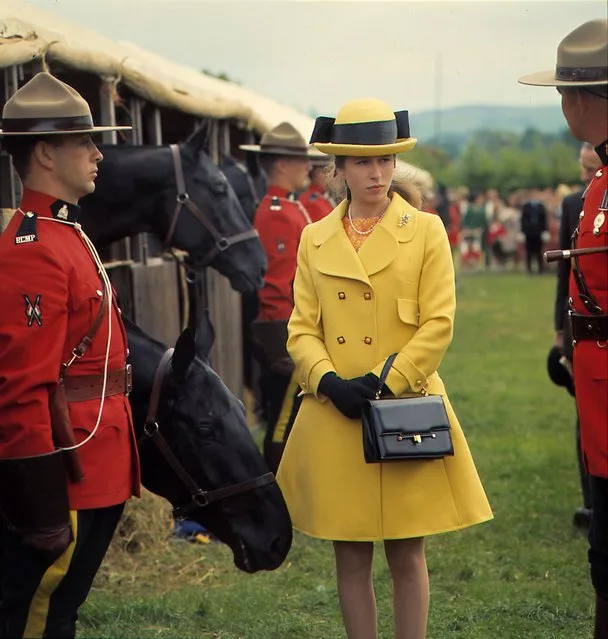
point(316, 188)
point(277, 191)
point(45, 205)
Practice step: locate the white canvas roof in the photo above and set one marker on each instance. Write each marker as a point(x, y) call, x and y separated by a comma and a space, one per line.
point(28, 33)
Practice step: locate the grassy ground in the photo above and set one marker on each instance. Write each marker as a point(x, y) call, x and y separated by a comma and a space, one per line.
point(524, 575)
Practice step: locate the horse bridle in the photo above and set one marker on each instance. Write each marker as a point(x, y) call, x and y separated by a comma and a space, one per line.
point(183, 199)
point(199, 498)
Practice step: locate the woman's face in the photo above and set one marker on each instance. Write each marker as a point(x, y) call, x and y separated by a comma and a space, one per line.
point(368, 178)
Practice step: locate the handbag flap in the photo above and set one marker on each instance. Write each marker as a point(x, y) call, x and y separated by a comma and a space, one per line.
point(409, 415)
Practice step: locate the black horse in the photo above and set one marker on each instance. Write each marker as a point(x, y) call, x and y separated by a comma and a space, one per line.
point(204, 427)
point(182, 197)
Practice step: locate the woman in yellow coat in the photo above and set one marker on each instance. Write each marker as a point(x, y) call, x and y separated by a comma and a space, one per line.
point(374, 277)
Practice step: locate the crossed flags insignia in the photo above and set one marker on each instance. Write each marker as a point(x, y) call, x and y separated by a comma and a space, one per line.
point(33, 311)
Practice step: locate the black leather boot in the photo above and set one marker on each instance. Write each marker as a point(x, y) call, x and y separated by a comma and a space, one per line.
point(601, 619)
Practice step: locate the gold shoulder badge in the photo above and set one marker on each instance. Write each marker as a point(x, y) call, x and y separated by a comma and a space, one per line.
point(62, 214)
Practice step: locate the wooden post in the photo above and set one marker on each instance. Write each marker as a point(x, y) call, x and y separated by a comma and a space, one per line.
point(139, 242)
point(225, 310)
point(10, 184)
point(120, 250)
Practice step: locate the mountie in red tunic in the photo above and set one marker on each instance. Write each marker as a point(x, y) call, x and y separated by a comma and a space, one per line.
point(591, 355)
point(280, 221)
point(316, 202)
point(50, 295)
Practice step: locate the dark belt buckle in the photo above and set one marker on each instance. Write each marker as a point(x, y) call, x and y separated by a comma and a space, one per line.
point(128, 379)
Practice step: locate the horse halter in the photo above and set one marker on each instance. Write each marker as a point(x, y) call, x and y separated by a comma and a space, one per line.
point(222, 243)
point(199, 498)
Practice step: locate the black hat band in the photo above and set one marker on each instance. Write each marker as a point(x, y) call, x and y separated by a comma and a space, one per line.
point(47, 125)
point(581, 74)
point(368, 133)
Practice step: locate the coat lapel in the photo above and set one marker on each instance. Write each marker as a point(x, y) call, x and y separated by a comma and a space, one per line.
point(336, 255)
point(397, 227)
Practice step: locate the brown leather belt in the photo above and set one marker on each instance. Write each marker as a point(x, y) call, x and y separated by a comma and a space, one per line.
point(80, 389)
point(591, 327)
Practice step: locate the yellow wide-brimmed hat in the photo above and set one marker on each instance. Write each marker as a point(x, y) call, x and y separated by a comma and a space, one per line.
point(582, 59)
point(48, 106)
point(364, 127)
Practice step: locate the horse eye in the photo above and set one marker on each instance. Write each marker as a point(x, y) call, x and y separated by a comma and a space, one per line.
point(219, 188)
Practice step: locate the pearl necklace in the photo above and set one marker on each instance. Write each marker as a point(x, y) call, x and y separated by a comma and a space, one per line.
point(356, 230)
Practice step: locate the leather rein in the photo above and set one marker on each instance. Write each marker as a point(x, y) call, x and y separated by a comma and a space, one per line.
point(199, 498)
point(221, 243)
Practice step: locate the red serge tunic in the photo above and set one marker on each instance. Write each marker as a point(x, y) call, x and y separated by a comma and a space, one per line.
point(50, 295)
point(280, 222)
point(591, 357)
point(316, 202)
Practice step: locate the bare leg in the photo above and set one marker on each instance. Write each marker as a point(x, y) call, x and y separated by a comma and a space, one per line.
point(355, 588)
point(407, 564)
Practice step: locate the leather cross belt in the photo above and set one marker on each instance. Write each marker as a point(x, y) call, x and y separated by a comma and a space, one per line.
point(591, 327)
point(85, 387)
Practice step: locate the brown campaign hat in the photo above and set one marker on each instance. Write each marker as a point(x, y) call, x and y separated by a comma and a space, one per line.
point(582, 59)
point(48, 106)
point(284, 139)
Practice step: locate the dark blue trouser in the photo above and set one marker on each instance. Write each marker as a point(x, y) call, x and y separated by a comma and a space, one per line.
point(598, 536)
point(40, 599)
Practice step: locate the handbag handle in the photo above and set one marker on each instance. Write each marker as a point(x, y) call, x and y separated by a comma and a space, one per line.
point(384, 374)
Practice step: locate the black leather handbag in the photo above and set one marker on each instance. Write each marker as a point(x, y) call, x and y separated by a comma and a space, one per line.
point(401, 429)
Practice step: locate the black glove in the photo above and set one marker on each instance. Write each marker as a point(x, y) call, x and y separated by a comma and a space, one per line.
point(50, 543)
point(347, 395)
point(371, 381)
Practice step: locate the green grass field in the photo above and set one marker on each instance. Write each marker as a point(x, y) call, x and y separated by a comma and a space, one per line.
point(522, 575)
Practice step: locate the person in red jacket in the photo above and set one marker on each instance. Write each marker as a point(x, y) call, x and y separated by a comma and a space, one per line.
point(581, 77)
point(68, 458)
point(280, 220)
point(315, 199)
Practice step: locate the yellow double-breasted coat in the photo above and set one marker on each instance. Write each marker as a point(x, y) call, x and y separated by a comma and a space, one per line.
point(352, 310)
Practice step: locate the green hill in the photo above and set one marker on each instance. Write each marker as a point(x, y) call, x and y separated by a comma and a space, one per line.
point(460, 122)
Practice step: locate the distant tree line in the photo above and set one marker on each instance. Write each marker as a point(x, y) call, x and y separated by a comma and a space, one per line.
point(502, 160)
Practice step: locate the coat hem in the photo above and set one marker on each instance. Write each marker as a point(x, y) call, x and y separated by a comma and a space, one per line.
point(459, 526)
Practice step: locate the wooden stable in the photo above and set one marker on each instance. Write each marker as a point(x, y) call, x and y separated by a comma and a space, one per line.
point(149, 284)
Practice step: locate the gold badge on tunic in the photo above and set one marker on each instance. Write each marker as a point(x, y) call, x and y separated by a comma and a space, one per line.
point(600, 218)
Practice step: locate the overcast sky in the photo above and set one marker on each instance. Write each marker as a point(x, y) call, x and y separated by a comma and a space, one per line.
point(319, 54)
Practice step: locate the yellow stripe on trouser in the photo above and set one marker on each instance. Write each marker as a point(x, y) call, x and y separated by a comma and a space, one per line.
point(286, 409)
point(39, 607)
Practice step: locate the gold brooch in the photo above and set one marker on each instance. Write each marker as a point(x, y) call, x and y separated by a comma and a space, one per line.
point(404, 219)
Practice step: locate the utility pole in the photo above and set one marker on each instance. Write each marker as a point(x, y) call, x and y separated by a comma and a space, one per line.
point(438, 88)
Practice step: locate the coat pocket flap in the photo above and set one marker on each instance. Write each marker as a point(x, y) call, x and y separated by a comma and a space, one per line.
point(408, 311)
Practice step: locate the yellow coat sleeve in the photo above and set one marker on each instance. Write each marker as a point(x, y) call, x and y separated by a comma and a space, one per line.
point(422, 355)
point(305, 342)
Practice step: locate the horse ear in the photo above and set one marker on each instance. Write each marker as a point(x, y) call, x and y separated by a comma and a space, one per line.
point(185, 350)
point(199, 140)
point(205, 336)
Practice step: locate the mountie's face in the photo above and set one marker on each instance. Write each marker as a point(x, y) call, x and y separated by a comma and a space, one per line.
point(73, 164)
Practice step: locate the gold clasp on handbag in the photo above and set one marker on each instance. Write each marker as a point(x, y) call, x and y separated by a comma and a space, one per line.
point(416, 438)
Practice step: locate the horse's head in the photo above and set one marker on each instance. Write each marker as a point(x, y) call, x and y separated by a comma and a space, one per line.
point(205, 427)
point(211, 225)
point(138, 190)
